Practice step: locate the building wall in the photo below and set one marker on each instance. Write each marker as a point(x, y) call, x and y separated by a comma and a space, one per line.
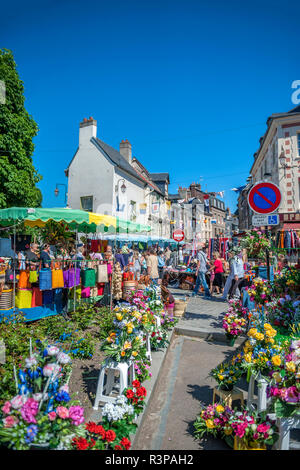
point(90, 174)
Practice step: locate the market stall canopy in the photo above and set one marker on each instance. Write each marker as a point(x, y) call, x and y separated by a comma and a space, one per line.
point(76, 219)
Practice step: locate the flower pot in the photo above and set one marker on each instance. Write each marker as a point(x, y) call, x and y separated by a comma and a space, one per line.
point(231, 339)
point(240, 444)
point(226, 388)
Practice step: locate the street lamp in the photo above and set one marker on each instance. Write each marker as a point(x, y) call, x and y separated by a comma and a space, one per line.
point(282, 161)
point(56, 190)
point(123, 187)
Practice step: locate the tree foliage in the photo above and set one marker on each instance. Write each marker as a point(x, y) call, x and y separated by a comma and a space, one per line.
point(18, 177)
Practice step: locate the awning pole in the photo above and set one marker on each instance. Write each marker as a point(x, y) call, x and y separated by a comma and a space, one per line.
point(14, 279)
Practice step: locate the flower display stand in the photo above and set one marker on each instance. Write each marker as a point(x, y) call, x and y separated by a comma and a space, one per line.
point(148, 348)
point(228, 396)
point(108, 369)
point(262, 401)
point(284, 427)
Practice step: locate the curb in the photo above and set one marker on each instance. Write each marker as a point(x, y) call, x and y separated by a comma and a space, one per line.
point(158, 359)
point(208, 335)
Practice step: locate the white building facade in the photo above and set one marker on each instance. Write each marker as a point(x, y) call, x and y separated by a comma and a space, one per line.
point(104, 180)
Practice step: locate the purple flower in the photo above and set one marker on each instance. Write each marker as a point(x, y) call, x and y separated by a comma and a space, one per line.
point(29, 410)
point(76, 415)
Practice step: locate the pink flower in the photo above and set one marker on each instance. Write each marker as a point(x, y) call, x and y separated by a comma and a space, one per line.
point(76, 415)
point(52, 415)
point(62, 412)
point(29, 410)
point(6, 407)
point(263, 427)
point(18, 401)
point(10, 421)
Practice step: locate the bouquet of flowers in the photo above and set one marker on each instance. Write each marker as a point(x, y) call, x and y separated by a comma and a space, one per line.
point(256, 243)
point(213, 420)
point(260, 291)
point(284, 387)
point(261, 353)
point(282, 312)
point(236, 307)
point(234, 325)
point(42, 412)
point(122, 346)
point(158, 338)
point(227, 374)
point(252, 430)
point(168, 322)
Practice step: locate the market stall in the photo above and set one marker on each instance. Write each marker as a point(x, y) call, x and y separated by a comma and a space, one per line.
point(38, 290)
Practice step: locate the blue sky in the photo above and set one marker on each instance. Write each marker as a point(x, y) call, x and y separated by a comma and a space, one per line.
point(189, 83)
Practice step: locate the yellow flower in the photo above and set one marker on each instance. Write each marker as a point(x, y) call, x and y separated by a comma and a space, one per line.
point(267, 326)
point(109, 339)
point(276, 360)
point(270, 340)
point(129, 330)
point(220, 409)
point(220, 377)
point(259, 336)
point(127, 345)
point(290, 366)
point(209, 423)
point(119, 316)
point(276, 376)
point(134, 353)
point(252, 332)
point(248, 357)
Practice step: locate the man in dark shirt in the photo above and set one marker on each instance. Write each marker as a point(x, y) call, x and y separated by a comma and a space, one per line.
point(45, 257)
point(31, 254)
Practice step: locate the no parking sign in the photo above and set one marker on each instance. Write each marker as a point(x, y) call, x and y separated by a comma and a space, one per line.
point(264, 198)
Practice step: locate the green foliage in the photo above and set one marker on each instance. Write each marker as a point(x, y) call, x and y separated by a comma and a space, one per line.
point(18, 176)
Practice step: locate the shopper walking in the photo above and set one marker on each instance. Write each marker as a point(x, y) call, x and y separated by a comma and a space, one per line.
point(202, 263)
point(161, 264)
point(152, 266)
point(238, 273)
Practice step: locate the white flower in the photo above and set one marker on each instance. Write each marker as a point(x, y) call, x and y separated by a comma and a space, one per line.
point(30, 361)
point(37, 396)
point(50, 369)
point(63, 358)
point(53, 350)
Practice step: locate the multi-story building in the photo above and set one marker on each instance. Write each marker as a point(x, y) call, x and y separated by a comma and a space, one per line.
point(278, 160)
point(199, 214)
point(104, 180)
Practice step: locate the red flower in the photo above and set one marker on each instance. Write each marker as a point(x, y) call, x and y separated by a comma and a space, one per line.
point(125, 443)
point(110, 436)
point(81, 443)
point(159, 339)
point(136, 384)
point(153, 334)
point(141, 392)
point(129, 393)
point(118, 448)
point(90, 426)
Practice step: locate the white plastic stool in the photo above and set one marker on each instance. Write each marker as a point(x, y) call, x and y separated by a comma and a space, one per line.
point(126, 370)
point(262, 400)
point(148, 348)
point(284, 426)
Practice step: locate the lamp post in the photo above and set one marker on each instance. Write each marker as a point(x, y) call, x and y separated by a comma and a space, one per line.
point(56, 191)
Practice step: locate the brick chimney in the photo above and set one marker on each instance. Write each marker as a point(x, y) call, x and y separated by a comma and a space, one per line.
point(126, 150)
point(87, 130)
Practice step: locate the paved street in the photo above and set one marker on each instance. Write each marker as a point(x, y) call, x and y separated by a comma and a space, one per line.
point(184, 384)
